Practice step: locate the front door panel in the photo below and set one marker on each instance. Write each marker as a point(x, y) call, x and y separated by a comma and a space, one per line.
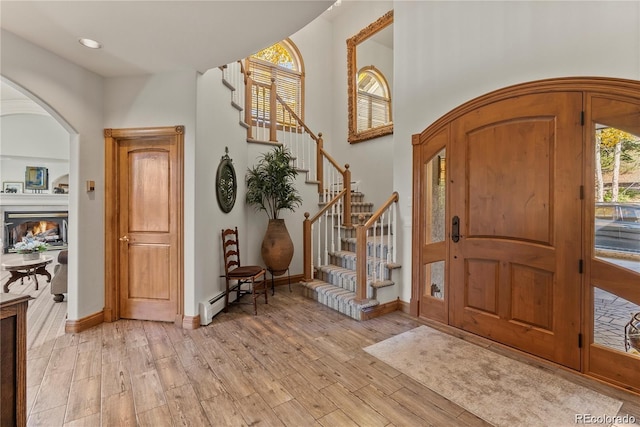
point(516, 171)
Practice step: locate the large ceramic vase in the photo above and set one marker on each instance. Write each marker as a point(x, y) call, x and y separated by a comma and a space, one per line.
point(277, 247)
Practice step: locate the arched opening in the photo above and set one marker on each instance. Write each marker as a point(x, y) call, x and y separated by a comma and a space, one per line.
point(35, 138)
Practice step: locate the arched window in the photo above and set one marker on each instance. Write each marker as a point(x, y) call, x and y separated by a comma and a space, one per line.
point(281, 61)
point(374, 99)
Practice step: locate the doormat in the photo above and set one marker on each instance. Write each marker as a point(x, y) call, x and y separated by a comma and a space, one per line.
point(500, 390)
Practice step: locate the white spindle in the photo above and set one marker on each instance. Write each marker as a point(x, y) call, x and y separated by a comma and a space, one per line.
point(319, 242)
point(326, 237)
point(339, 225)
point(395, 223)
point(333, 226)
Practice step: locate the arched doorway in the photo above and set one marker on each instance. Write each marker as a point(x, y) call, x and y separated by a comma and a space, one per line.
point(36, 136)
point(507, 240)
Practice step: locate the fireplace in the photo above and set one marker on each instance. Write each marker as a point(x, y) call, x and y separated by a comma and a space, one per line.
point(47, 226)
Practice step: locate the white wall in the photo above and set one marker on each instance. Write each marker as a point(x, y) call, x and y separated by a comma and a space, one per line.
point(74, 97)
point(32, 140)
point(447, 53)
point(217, 127)
point(167, 99)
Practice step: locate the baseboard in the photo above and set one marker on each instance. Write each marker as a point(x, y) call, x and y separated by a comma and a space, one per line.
point(404, 307)
point(75, 326)
point(381, 309)
point(284, 280)
point(191, 322)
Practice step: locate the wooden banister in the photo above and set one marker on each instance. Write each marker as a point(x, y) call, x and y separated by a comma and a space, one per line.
point(298, 119)
point(376, 216)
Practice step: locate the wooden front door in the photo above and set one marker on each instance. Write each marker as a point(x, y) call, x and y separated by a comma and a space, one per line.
point(515, 223)
point(144, 217)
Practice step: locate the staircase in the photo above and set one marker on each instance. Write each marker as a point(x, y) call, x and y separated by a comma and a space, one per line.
point(335, 283)
point(344, 264)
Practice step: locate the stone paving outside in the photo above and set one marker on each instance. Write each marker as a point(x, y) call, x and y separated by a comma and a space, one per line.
point(612, 313)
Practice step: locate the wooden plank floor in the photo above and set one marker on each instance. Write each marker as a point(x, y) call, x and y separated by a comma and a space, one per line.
point(295, 364)
point(45, 318)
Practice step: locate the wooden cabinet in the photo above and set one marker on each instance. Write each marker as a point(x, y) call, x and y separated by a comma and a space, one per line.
point(13, 359)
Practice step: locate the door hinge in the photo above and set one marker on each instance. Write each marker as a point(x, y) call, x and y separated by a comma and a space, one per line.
point(580, 266)
point(581, 118)
point(582, 192)
point(580, 340)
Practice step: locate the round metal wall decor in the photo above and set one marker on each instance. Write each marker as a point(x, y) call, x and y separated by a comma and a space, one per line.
point(226, 183)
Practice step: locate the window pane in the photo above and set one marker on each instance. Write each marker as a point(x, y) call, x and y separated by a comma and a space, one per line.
point(435, 203)
point(435, 279)
point(617, 198)
point(614, 323)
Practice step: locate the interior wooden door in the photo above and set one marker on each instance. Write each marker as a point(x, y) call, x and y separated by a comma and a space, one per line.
point(147, 223)
point(515, 252)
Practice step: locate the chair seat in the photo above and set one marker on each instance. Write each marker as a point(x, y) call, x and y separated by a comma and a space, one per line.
point(246, 271)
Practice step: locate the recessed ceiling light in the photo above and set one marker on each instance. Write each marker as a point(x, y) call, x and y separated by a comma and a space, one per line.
point(91, 44)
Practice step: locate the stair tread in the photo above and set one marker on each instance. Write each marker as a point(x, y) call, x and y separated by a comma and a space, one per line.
point(349, 297)
point(350, 274)
point(382, 284)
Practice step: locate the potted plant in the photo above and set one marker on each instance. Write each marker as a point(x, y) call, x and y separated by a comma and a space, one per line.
point(270, 188)
point(30, 248)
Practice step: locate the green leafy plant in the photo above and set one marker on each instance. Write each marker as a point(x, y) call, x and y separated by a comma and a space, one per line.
point(270, 183)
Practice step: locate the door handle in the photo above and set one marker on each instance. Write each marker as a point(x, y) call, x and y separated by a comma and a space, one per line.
point(124, 238)
point(455, 229)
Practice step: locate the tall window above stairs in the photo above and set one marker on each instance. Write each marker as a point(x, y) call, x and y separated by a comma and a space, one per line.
point(281, 61)
point(374, 99)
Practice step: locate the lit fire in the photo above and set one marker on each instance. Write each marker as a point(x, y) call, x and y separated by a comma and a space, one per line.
point(42, 227)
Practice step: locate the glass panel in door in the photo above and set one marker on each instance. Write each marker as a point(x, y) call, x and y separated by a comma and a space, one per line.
point(614, 241)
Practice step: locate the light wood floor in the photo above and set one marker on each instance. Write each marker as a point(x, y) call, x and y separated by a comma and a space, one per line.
point(296, 364)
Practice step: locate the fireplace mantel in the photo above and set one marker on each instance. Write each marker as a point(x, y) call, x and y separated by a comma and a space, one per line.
point(10, 201)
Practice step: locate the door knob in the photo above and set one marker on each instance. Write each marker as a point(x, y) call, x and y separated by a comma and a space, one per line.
point(124, 238)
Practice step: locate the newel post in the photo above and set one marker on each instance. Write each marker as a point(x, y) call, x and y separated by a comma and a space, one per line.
point(320, 164)
point(306, 248)
point(273, 112)
point(247, 104)
point(347, 196)
point(361, 260)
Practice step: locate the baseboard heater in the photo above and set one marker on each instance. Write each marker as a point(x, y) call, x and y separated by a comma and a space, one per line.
point(213, 306)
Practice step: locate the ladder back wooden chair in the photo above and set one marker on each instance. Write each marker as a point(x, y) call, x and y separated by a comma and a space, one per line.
point(236, 274)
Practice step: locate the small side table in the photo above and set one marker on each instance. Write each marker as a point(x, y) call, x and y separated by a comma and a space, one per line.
point(21, 268)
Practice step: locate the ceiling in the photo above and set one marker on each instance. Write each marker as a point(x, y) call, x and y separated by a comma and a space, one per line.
point(148, 37)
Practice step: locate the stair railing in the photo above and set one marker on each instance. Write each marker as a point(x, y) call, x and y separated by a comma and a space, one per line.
point(322, 234)
point(379, 232)
point(290, 130)
point(233, 76)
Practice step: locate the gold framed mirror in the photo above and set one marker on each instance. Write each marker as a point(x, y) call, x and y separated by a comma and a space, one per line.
point(369, 112)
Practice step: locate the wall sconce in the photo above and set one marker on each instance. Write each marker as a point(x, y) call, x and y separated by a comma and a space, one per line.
point(442, 169)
